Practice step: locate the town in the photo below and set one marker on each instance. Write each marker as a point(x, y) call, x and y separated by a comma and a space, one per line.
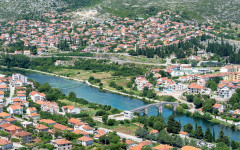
point(182, 68)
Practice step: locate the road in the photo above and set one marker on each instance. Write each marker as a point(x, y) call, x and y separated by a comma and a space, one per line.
point(9, 99)
point(126, 136)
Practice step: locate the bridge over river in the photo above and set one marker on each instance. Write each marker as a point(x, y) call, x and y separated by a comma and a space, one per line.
point(160, 107)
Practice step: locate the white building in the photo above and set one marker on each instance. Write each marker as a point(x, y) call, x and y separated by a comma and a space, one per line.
point(18, 76)
point(71, 109)
point(85, 141)
point(15, 109)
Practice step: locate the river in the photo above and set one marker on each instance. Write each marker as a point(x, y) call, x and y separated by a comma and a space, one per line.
point(82, 90)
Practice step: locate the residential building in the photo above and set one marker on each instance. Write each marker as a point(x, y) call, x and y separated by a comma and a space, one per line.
point(189, 148)
point(31, 110)
point(5, 115)
point(15, 109)
point(71, 109)
point(163, 147)
point(5, 144)
point(62, 144)
point(18, 76)
point(41, 128)
point(35, 96)
point(85, 141)
point(194, 88)
point(226, 90)
point(25, 136)
point(48, 121)
point(227, 68)
point(51, 107)
point(219, 107)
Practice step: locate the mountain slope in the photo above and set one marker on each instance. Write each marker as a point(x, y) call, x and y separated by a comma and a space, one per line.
point(193, 9)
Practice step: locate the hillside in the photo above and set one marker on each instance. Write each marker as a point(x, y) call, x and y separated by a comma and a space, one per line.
point(192, 9)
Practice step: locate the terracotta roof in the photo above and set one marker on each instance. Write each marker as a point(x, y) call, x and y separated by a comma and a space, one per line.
point(129, 142)
point(4, 114)
point(40, 102)
point(13, 127)
point(48, 121)
point(143, 143)
point(3, 86)
point(4, 142)
point(60, 127)
point(80, 132)
point(34, 114)
point(32, 109)
point(137, 147)
point(87, 127)
point(85, 139)
point(41, 127)
point(68, 107)
point(154, 131)
point(5, 125)
point(62, 142)
point(183, 133)
point(10, 119)
point(216, 105)
point(163, 147)
point(190, 148)
point(23, 133)
point(15, 107)
point(195, 86)
point(1, 92)
point(74, 121)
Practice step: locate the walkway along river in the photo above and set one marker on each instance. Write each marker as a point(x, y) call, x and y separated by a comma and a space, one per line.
point(82, 90)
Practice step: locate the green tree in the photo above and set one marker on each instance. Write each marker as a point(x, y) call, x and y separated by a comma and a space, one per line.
point(199, 133)
point(188, 128)
point(208, 135)
point(197, 102)
point(105, 118)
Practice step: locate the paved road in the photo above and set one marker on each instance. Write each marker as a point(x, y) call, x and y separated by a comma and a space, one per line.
point(123, 135)
point(9, 99)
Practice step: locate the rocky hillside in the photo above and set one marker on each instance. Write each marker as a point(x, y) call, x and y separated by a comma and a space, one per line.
point(192, 9)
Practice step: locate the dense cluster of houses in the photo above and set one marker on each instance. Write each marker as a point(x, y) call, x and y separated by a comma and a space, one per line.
point(17, 105)
point(113, 34)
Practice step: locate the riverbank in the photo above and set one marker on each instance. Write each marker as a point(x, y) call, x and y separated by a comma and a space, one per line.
point(144, 99)
point(108, 91)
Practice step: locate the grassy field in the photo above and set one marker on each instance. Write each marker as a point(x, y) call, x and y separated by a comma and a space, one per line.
point(105, 77)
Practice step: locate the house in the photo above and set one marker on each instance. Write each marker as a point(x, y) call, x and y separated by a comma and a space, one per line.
point(130, 143)
point(87, 128)
point(163, 147)
point(10, 120)
point(154, 132)
point(18, 76)
point(60, 127)
point(71, 109)
point(183, 134)
point(3, 88)
point(25, 103)
point(189, 148)
point(84, 133)
point(59, 62)
point(31, 110)
point(227, 68)
point(73, 121)
point(5, 115)
point(86, 141)
point(35, 96)
point(22, 97)
point(51, 107)
point(225, 90)
point(26, 137)
point(15, 109)
point(48, 121)
point(62, 144)
point(16, 100)
point(1, 94)
point(5, 144)
point(34, 116)
point(194, 88)
point(12, 129)
point(41, 128)
point(219, 107)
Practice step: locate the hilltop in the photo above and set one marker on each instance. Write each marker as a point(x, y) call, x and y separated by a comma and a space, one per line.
point(201, 10)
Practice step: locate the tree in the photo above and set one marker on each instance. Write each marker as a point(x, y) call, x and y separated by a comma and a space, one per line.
point(105, 118)
point(111, 122)
point(221, 135)
point(188, 128)
point(159, 125)
point(141, 132)
point(199, 133)
point(173, 126)
point(222, 146)
point(146, 147)
point(72, 95)
point(197, 102)
point(208, 135)
point(190, 98)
